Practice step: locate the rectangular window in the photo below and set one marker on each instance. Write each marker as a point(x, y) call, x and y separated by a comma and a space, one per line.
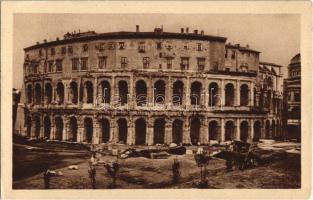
point(121, 45)
point(201, 63)
point(123, 62)
point(199, 47)
point(186, 46)
point(226, 53)
point(169, 62)
point(58, 65)
point(101, 47)
point(159, 45)
point(52, 51)
point(111, 46)
point(146, 62)
point(85, 47)
point(84, 63)
point(184, 65)
point(102, 62)
point(63, 50)
point(70, 49)
point(141, 47)
point(50, 66)
point(233, 54)
point(75, 64)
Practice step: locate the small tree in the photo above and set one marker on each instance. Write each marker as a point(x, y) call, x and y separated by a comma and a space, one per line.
point(202, 159)
point(112, 169)
point(92, 175)
point(176, 170)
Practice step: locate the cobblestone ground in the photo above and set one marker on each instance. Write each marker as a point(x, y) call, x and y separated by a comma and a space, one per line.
point(143, 172)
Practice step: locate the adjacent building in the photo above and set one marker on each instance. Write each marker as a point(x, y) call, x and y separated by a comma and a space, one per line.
point(147, 88)
point(292, 99)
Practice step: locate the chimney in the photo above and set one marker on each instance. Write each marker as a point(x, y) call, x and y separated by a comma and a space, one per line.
point(182, 30)
point(248, 46)
point(137, 28)
point(37, 43)
point(58, 39)
point(187, 30)
point(45, 41)
point(195, 31)
point(202, 32)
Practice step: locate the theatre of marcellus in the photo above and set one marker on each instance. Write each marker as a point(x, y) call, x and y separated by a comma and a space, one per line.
point(147, 88)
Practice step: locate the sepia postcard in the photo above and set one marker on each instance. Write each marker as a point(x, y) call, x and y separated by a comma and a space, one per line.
point(156, 100)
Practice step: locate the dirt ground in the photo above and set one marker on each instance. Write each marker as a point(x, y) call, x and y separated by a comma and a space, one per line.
point(142, 172)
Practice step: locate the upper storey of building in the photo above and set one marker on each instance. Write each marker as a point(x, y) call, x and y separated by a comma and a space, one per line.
point(294, 68)
point(157, 50)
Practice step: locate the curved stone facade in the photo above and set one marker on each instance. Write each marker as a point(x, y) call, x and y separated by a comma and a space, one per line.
point(145, 88)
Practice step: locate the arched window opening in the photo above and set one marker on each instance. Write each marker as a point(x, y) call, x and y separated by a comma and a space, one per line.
point(244, 95)
point(141, 93)
point(74, 92)
point(195, 131)
point(159, 92)
point(122, 130)
point(177, 131)
point(229, 131)
point(178, 93)
point(159, 131)
point(229, 95)
point(195, 96)
point(123, 92)
point(140, 131)
point(213, 94)
point(213, 130)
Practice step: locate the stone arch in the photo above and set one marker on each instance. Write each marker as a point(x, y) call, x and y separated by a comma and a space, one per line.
point(244, 131)
point(195, 126)
point(37, 125)
point(140, 131)
point(213, 130)
point(177, 131)
point(267, 129)
point(88, 126)
point(89, 92)
point(48, 93)
point(213, 94)
point(229, 94)
point(28, 123)
point(47, 127)
point(257, 127)
point(229, 130)
point(195, 94)
point(244, 95)
point(29, 93)
point(37, 94)
point(105, 92)
point(74, 92)
point(58, 128)
point(159, 92)
point(73, 129)
point(159, 131)
point(122, 130)
point(178, 93)
point(60, 93)
point(105, 130)
point(141, 93)
point(123, 92)
point(273, 128)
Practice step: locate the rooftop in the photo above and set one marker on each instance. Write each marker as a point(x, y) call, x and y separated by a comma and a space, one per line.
point(157, 34)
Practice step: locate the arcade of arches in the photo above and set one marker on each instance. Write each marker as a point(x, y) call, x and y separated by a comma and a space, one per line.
point(149, 130)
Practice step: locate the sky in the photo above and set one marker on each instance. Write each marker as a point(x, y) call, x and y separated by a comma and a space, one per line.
point(276, 36)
